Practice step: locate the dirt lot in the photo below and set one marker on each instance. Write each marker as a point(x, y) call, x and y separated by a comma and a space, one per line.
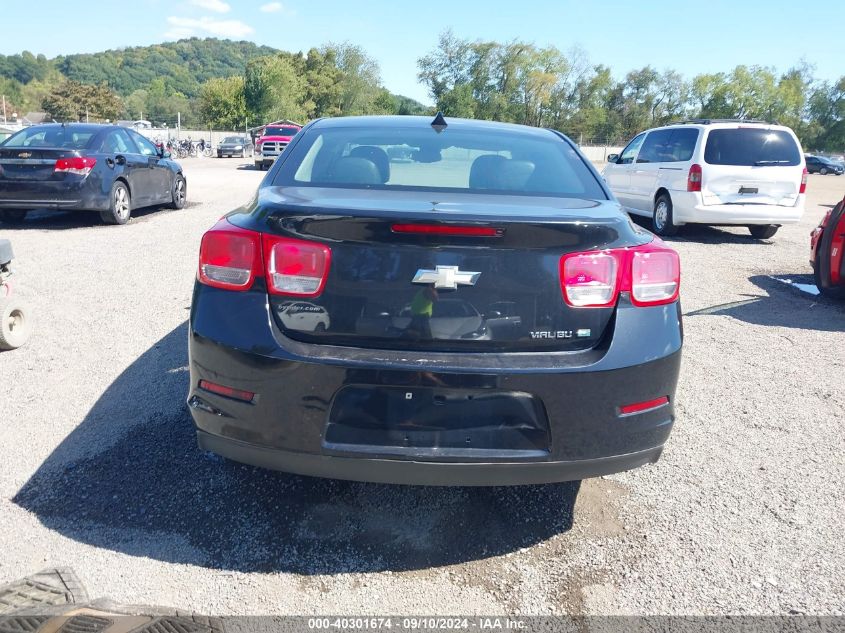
point(100, 471)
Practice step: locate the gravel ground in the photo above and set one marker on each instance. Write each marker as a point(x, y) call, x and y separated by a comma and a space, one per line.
point(100, 472)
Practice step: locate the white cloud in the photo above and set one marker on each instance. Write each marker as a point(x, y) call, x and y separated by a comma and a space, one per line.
point(271, 7)
point(179, 33)
point(218, 6)
point(185, 27)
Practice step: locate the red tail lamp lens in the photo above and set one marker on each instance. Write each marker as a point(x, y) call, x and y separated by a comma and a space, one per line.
point(296, 267)
point(80, 165)
point(589, 279)
point(230, 257)
point(694, 178)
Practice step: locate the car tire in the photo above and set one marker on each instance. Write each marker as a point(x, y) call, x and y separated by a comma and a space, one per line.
point(763, 231)
point(826, 290)
point(13, 215)
point(15, 323)
point(823, 171)
point(179, 194)
point(661, 218)
point(321, 327)
point(120, 205)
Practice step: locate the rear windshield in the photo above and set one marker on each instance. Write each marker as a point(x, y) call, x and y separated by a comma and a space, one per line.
point(751, 147)
point(63, 137)
point(281, 131)
point(414, 158)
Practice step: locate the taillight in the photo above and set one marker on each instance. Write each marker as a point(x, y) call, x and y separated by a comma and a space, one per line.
point(80, 165)
point(655, 277)
point(295, 267)
point(694, 178)
point(589, 279)
point(651, 273)
point(803, 187)
point(230, 257)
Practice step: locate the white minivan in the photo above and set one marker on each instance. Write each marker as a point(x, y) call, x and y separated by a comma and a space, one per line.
point(735, 172)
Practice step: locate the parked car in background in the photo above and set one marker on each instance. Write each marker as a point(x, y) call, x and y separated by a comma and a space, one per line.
point(407, 383)
point(83, 167)
point(273, 141)
point(718, 172)
point(240, 146)
point(827, 253)
point(822, 165)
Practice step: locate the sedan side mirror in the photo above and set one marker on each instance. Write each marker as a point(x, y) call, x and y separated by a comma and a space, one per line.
point(166, 154)
point(613, 158)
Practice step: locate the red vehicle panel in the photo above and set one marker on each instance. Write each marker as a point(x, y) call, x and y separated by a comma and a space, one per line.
point(827, 248)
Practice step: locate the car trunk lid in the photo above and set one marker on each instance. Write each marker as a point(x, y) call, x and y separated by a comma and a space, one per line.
point(23, 163)
point(464, 272)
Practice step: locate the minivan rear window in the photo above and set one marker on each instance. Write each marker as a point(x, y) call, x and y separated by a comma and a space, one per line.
point(752, 147)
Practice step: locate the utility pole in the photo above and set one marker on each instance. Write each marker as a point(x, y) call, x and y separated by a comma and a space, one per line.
point(4, 109)
point(178, 124)
point(86, 114)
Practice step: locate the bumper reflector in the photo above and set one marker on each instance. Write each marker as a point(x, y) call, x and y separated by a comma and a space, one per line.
point(229, 392)
point(639, 407)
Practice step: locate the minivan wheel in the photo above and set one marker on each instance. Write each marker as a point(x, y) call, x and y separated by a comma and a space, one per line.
point(662, 219)
point(120, 205)
point(763, 231)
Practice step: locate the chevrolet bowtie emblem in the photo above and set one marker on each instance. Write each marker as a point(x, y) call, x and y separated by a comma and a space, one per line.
point(446, 277)
point(25, 155)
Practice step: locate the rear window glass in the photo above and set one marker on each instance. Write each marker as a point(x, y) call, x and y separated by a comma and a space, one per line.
point(414, 158)
point(751, 147)
point(63, 137)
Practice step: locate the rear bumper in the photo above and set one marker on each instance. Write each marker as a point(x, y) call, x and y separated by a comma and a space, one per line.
point(292, 423)
point(82, 195)
point(687, 207)
point(423, 473)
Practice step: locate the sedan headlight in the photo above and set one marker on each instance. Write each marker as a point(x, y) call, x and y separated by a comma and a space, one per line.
point(239, 147)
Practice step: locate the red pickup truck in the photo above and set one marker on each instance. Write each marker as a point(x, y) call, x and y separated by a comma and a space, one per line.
point(273, 141)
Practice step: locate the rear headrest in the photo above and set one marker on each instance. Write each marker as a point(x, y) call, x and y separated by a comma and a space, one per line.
point(354, 171)
point(484, 171)
point(377, 155)
point(514, 174)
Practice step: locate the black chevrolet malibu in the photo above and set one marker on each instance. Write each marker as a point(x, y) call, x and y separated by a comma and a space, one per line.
point(476, 310)
point(84, 167)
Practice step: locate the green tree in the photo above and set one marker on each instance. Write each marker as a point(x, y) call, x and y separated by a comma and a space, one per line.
point(222, 104)
point(359, 78)
point(275, 88)
point(74, 101)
